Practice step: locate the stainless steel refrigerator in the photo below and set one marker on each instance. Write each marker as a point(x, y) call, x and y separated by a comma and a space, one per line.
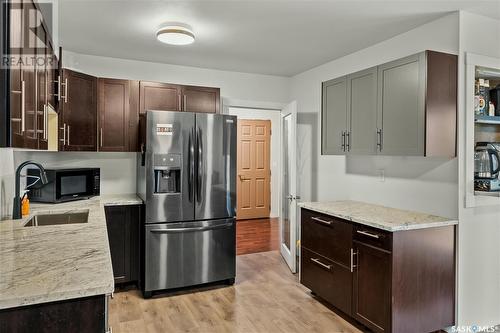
point(187, 179)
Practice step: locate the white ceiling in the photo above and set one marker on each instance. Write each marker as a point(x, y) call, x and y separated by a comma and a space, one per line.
point(269, 37)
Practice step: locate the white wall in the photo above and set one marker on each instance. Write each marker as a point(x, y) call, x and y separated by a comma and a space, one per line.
point(479, 229)
point(275, 117)
point(6, 181)
point(118, 170)
point(234, 85)
point(424, 184)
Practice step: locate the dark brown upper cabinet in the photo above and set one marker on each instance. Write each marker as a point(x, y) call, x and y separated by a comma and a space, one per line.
point(160, 96)
point(114, 114)
point(17, 84)
point(78, 112)
point(134, 116)
point(42, 91)
point(200, 99)
point(118, 115)
point(171, 97)
point(28, 88)
point(31, 85)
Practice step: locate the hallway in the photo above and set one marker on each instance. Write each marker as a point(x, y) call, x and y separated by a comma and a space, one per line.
point(259, 235)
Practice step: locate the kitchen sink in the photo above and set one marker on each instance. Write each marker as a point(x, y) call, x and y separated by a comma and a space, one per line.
point(43, 219)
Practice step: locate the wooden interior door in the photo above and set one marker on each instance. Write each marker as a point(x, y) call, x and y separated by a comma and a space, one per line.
point(254, 169)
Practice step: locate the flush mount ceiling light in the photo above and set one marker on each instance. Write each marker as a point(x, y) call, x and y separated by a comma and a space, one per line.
point(175, 35)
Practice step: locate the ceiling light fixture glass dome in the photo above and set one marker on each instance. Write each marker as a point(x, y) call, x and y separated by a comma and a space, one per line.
point(175, 35)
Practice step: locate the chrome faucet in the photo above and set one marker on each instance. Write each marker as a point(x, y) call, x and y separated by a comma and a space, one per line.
point(16, 211)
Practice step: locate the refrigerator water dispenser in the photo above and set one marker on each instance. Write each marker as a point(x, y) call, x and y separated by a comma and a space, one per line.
point(167, 173)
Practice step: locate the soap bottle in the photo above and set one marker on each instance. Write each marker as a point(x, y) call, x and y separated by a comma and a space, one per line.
point(25, 204)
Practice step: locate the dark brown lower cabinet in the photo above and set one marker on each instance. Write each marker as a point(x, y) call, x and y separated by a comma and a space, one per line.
point(123, 224)
point(372, 285)
point(82, 315)
point(402, 282)
point(328, 279)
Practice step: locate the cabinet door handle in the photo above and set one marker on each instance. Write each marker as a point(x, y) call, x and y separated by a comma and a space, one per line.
point(353, 253)
point(58, 88)
point(318, 262)
point(45, 121)
point(45, 112)
point(369, 234)
point(68, 135)
point(23, 106)
point(379, 139)
point(317, 219)
point(348, 139)
point(185, 101)
point(66, 92)
point(179, 102)
point(101, 137)
point(64, 134)
point(343, 140)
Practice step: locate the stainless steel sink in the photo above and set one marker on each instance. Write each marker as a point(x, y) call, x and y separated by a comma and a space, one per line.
point(42, 219)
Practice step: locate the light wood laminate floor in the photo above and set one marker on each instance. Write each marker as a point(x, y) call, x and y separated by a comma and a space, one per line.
point(265, 298)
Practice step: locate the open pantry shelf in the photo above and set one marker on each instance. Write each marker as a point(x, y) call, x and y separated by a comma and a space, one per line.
point(490, 120)
point(481, 73)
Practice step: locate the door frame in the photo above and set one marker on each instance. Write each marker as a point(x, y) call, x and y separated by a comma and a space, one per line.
point(279, 107)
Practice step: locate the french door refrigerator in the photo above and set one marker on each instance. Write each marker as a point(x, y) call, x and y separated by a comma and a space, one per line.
point(187, 178)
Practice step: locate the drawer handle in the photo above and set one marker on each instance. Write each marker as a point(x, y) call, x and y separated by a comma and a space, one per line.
point(316, 261)
point(321, 220)
point(369, 234)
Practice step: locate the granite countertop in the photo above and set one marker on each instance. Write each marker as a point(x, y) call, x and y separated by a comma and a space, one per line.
point(58, 262)
point(385, 218)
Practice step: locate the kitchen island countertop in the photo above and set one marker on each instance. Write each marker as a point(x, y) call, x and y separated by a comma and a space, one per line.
point(40, 264)
point(380, 217)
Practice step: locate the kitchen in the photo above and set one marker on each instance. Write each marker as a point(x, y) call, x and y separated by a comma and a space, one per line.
point(438, 186)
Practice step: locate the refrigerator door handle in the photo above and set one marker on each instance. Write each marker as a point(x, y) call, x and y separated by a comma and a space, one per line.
point(182, 230)
point(199, 182)
point(191, 166)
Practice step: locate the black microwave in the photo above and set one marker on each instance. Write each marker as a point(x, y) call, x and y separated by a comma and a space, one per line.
point(64, 184)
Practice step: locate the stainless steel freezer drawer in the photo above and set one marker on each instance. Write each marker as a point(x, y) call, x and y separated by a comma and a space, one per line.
point(189, 253)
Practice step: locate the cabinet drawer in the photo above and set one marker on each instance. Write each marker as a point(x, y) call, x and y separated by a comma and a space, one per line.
point(372, 236)
point(328, 236)
point(328, 280)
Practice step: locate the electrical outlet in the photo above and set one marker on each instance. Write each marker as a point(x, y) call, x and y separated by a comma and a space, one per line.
point(381, 175)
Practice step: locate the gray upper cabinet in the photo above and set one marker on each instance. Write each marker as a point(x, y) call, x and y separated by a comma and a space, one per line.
point(362, 107)
point(407, 107)
point(334, 117)
point(401, 112)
